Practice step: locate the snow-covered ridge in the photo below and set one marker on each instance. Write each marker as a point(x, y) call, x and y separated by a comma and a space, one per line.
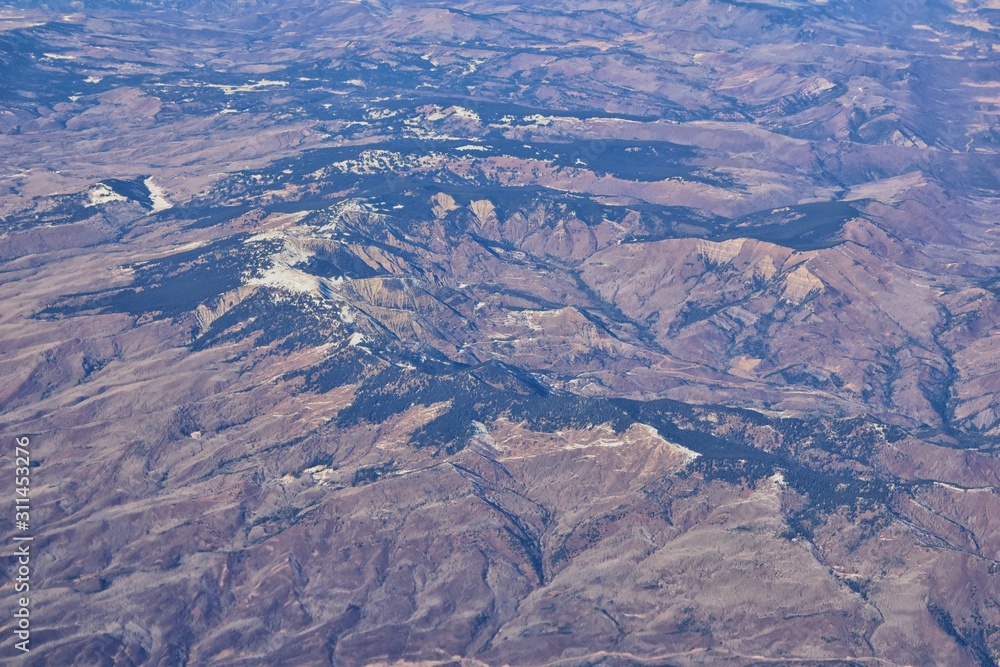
point(382, 161)
point(298, 247)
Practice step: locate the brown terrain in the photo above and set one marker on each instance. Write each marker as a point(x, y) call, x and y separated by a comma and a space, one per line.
point(458, 334)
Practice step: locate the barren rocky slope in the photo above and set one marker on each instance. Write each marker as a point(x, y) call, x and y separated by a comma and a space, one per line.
point(601, 334)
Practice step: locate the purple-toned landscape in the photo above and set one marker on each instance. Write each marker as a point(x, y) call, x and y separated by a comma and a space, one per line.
point(416, 334)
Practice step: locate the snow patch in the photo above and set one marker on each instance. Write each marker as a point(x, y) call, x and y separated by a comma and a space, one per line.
point(160, 202)
point(247, 87)
point(382, 161)
point(539, 119)
point(960, 489)
point(265, 236)
point(689, 454)
point(466, 114)
point(381, 114)
point(596, 443)
point(103, 194)
point(483, 435)
point(285, 277)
